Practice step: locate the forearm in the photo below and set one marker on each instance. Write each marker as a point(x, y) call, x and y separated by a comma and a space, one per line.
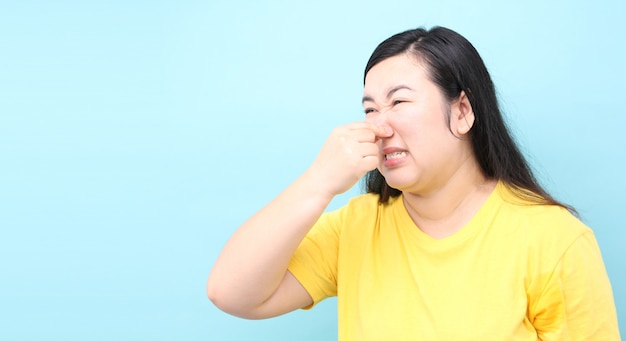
point(254, 260)
point(250, 276)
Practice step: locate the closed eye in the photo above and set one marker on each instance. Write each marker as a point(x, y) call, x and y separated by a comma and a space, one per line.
point(369, 110)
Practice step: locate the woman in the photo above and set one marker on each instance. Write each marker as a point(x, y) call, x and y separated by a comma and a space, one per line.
point(455, 239)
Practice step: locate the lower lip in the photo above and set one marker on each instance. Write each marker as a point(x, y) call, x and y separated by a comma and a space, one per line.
point(390, 163)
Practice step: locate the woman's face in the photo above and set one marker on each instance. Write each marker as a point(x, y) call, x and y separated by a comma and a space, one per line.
point(423, 153)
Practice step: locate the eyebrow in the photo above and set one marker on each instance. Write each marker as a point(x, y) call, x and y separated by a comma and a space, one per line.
point(389, 93)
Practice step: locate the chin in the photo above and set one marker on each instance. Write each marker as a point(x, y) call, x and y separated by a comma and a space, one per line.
point(399, 185)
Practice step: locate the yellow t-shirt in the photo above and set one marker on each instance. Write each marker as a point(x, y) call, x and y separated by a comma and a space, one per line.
point(514, 272)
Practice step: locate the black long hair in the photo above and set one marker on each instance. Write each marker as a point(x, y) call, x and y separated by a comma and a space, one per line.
point(454, 65)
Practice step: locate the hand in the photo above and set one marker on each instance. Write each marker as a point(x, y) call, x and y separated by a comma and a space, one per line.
point(348, 154)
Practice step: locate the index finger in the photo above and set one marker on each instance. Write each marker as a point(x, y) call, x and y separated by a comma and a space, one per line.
point(378, 130)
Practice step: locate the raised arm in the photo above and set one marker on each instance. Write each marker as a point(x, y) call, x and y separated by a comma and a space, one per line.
point(250, 277)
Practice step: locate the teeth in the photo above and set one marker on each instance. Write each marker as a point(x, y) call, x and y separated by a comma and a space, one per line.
point(395, 155)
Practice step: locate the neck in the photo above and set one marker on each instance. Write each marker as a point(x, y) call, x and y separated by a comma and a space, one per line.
point(444, 210)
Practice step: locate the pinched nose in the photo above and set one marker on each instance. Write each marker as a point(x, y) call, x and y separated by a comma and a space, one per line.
point(385, 130)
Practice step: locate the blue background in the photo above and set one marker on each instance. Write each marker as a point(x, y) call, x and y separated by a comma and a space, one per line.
point(135, 136)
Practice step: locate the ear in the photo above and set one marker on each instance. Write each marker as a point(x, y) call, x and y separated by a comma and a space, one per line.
point(463, 114)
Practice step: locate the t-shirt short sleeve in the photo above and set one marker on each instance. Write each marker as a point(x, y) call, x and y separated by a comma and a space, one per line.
point(314, 264)
point(577, 301)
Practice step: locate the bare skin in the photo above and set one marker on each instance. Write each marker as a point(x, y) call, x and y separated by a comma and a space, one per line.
point(441, 181)
point(250, 277)
point(407, 137)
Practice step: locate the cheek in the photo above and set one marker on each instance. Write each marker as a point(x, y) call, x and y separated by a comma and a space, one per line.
point(408, 128)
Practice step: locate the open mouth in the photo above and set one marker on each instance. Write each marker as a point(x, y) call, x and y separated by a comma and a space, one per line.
point(395, 155)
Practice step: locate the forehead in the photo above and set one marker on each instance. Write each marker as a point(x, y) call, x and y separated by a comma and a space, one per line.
point(400, 69)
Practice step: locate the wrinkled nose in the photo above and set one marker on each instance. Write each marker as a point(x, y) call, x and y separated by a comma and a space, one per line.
point(381, 121)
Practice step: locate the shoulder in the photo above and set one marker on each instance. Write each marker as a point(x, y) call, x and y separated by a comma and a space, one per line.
point(553, 227)
point(360, 207)
point(368, 199)
point(361, 213)
point(544, 220)
point(547, 231)
point(361, 204)
point(368, 205)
